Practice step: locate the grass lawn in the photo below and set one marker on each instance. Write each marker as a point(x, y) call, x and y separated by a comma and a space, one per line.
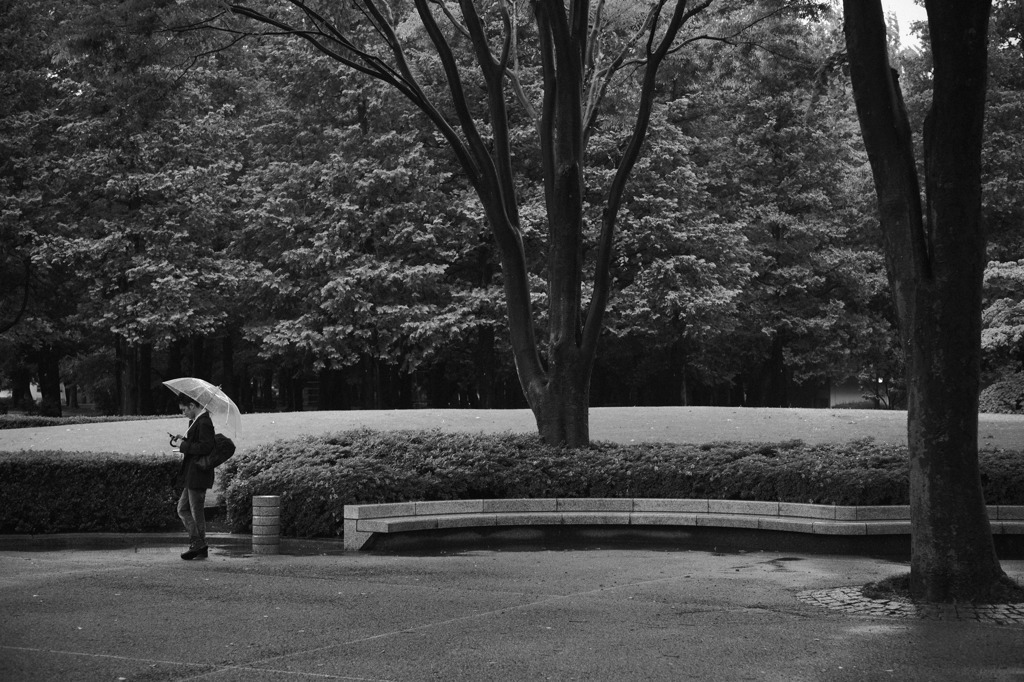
point(617, 424)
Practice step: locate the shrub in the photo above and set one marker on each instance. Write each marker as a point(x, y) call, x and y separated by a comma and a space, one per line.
point(1003, 397)
point(61, 492)
point(317, 476)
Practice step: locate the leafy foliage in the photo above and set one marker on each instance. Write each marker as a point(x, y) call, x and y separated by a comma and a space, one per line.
point(778, 156)
point(1005, 396)
point(159, 191)
point(1002, 336)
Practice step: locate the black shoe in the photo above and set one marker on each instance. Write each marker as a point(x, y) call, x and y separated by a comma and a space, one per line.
point(196, 553)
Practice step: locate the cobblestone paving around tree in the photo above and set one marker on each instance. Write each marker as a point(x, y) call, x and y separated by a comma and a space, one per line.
point(850, 600)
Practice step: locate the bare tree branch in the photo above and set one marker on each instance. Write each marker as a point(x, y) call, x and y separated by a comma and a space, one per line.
point(655, 56)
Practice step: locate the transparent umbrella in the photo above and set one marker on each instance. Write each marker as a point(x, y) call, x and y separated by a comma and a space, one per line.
point(222, 409)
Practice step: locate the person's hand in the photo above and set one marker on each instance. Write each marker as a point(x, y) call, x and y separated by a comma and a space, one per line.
point(175, 439)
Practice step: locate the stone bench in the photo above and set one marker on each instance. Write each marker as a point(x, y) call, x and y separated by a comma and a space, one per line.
point(365, 521)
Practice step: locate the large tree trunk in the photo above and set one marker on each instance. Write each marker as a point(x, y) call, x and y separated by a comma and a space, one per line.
point(935, 268)
point(560, 403)
point(953, 556)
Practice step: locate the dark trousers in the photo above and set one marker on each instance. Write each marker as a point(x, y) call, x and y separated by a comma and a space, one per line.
point(192, 512)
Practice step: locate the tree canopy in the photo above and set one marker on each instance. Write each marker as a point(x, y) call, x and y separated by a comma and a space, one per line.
point(255, 212)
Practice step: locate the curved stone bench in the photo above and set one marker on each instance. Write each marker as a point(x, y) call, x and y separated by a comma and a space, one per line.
point(365, 521)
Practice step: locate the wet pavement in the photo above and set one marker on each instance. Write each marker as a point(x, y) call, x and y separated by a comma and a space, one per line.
point(140, 613)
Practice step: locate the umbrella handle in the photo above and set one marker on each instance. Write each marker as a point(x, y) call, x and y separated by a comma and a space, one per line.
point(174, 439)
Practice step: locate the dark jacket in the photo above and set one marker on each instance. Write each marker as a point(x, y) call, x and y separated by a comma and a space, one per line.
point(197, 443)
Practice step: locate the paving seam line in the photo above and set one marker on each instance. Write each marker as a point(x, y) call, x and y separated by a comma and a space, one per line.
point(219, 668)
point(449, 621)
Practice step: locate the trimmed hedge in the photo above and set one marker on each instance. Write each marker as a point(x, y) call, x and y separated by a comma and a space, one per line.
point(54, 492)
point(317, 476)
point(67, 492)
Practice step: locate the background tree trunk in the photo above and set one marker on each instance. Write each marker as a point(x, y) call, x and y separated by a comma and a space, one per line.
point(127, 378)
point(200, 361)
point(144, 359)
point(48, 363)
point(21, 386)
point(485, 364)
point(228, 380)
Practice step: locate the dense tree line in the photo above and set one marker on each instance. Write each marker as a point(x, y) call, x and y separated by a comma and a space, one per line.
point(185, 203)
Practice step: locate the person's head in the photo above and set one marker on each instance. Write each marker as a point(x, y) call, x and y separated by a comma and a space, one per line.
point(189, 407)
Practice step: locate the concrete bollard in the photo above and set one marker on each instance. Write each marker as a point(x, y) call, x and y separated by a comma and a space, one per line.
point(266, 524)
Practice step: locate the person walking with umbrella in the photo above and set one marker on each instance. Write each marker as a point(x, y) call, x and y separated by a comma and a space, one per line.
point(194, 480)
point(202, 403)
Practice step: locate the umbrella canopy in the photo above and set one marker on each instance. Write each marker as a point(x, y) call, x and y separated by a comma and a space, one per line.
point(222, 409)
